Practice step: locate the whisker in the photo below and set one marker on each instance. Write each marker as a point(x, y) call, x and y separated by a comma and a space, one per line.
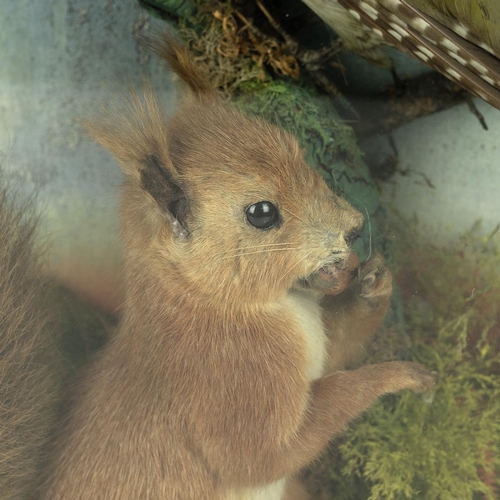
point(369, 231)
point(270, 245)
point(265, 250)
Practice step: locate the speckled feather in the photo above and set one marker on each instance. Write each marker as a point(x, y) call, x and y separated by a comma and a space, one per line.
point(460, 40)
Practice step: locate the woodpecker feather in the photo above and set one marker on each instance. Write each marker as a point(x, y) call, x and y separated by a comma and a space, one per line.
point(460, 41)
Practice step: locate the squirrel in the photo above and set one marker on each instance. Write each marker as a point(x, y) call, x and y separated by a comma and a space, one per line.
point(244, 302)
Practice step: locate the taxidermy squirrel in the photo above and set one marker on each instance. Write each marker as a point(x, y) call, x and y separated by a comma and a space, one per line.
point(244, 302)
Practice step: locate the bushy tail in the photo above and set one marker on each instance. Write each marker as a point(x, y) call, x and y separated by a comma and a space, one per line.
point(27, 380)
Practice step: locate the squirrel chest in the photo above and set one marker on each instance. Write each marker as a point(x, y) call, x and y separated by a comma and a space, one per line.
point(303, 307)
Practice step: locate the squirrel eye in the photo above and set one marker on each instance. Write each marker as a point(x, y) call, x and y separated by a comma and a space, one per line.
point(262, 215)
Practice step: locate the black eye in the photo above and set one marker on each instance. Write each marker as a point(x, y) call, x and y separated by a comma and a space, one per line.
point(262, 214)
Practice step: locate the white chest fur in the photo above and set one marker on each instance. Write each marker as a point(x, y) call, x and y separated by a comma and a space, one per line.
point(304, 307)
point(271, 492)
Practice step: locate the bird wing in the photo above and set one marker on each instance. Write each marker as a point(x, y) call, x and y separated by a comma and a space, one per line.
point(411, 30)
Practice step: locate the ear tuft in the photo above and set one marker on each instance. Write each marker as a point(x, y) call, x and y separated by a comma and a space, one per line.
point(175, 53)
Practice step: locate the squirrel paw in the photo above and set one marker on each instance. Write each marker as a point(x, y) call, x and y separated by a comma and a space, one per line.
point(400, 375)
point(422, 380)
point(375, 280)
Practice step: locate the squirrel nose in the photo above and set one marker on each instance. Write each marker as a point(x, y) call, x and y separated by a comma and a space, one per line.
point(336, 243)
point(352, 262)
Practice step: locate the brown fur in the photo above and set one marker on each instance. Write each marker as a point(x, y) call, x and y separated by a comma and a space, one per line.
point(212, 389)
point(27, 382)
point(178, 59)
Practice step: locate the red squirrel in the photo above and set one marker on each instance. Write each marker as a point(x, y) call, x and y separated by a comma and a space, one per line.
point(244, 301)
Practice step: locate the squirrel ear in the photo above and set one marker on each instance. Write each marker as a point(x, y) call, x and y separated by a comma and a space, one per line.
point(139, 138)
point(138, 135)
point(167, 193)
point(135, 143)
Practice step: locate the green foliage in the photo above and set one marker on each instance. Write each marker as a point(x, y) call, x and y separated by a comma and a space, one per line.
point(447, 448)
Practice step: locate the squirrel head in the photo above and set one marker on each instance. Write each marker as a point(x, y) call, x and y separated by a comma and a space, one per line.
point(218, 204)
